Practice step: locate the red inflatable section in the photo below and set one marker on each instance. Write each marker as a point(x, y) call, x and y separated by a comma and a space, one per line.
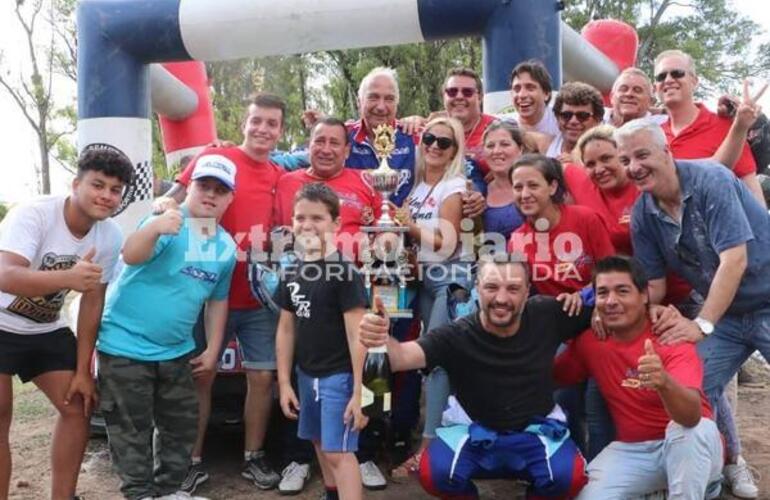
point(198, 129)
point(615, 39)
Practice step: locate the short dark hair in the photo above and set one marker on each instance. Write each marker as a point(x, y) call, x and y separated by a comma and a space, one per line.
point(579, 94)
point(106, 159)
point(622, 264)
point(321, 193)
point(550, 168)
point(538, 72)
point(265, 100)
point(465, 71)
point(332, 122)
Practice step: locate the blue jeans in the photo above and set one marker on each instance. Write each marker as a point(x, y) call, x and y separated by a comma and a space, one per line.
point(434, 313)
point(735, 338)
point(687, 462)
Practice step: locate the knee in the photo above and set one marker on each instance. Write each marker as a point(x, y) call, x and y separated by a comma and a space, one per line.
point(435, 474)
point(260, 380)
point(72, 411)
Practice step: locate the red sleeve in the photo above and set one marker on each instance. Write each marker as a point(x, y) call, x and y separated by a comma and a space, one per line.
point(575, 177)
point(682, 364)
point(745, 164)
point(569, 368)
point(184, 177)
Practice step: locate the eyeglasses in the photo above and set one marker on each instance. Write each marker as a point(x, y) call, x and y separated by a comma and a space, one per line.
point(443, 143)
point(676, 74)
point(582, 116)
point(465, 91)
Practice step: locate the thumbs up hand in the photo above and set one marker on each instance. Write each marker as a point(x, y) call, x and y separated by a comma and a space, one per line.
point(651, 372)
point(375, 326)
point(85, 276)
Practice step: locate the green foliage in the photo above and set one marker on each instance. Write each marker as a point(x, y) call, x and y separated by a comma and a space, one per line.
point(3, 211)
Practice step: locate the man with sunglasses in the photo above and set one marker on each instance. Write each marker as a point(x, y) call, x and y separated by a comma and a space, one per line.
point(695, 132)
point(696, 219)
point(578, 107)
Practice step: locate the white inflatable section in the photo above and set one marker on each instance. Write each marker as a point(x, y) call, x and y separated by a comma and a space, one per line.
point(169, 96)
point(582, 62)
point(495, 102)
point(133, 137)
point(230, 29)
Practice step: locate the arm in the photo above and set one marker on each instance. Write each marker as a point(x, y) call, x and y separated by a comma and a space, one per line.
point(214, 320)
point(284, 357)
point(657, 290)
point(681, 403)
point(375, 332)
point(18, 279)
point(732, 264)
point(89, 319)
point(178, 192)
point(352, 319)
point(139, 247)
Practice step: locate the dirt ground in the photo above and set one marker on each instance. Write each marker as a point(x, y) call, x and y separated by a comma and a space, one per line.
point(33, 420)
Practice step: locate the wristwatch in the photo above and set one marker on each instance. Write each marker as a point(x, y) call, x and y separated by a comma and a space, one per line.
point(706, 326)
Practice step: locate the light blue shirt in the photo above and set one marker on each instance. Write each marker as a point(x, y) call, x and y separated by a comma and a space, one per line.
point(152, 309)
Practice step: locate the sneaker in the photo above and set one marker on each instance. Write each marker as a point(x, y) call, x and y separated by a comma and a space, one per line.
point(293, 478)
point(180, 495)
point(195, 477)
point(739, 477)
point(371, 477)
point(258, 471)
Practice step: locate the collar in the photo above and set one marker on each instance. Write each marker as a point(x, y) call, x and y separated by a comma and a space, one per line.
point(684, 173)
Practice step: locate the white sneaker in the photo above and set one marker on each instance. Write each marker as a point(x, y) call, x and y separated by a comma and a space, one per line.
point(293, 478)
point(740, 479)
point(180, 495)
point(371, 477)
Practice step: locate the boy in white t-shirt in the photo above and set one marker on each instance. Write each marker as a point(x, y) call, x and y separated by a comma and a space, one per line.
point(48, 247)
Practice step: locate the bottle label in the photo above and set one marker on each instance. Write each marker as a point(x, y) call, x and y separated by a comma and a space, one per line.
point(367, 397)
point(386, 402)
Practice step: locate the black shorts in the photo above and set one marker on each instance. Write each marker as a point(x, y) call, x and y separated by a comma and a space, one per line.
point(31, 355)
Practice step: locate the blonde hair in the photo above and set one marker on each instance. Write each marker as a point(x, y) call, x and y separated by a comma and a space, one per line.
point(678, 53)
point(601, 132)
point(456, 167)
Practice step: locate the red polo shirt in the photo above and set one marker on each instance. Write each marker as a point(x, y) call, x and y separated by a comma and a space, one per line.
point(474, 144)
point(702, 138)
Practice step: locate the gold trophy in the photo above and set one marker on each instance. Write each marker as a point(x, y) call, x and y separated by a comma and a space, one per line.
point(384, 258)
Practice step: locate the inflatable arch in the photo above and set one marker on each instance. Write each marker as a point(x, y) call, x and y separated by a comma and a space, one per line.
point(119, 42)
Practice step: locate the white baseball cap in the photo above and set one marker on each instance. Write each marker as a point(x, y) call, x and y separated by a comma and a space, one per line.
point(217, 166)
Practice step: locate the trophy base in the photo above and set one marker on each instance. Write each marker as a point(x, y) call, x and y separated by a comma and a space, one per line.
point(399, 314)
point(385, 229)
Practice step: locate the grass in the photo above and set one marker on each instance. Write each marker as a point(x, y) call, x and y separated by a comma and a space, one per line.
point(29, 403)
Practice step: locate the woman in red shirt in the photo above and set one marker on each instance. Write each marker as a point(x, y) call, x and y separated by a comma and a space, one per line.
point(560, 242)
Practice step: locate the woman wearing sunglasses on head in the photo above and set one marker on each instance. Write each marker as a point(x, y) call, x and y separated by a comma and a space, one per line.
point(433, 217)
point(503, 145)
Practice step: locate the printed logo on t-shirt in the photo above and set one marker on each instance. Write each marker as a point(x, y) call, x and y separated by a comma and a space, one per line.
point(298, 300)
point(46, 308)
point(632, 379)
point(200, 274)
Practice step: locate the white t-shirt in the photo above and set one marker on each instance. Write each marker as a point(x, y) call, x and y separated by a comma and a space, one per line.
point(37, 231)
point(424, 205)
point(548, 124)
point(658, 119)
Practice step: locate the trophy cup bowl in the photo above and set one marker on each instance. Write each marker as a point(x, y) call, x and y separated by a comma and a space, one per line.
point(384, 180)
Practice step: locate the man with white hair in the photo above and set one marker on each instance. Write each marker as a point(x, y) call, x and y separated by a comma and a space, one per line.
point(631, 98)
point(697, 219)
point(693, 131)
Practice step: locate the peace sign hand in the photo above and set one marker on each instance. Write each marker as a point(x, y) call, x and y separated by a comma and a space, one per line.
point(748, 110)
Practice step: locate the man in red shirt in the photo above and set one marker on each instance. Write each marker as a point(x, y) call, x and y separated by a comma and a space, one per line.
point(248, 219)
point(359, 204)
point(694, 132)
point(666, 438)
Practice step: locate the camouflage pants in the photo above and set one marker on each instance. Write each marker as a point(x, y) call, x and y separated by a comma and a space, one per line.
point(148, 405)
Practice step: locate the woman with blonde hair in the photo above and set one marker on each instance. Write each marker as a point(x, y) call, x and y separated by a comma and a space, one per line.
point(433, 213)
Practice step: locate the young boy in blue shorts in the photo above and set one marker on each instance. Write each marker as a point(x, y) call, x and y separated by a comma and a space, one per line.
point(322, 302)
point(175, 263)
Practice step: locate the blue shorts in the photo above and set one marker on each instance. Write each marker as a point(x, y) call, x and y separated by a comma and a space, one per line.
point(255, 331)
point(322, 403)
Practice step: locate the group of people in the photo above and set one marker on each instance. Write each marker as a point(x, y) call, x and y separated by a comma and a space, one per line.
point(619, 272)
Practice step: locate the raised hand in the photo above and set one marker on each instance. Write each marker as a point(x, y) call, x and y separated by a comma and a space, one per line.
point(169, 222)
point(748, 109)
point(375, 326)
point(650, 368)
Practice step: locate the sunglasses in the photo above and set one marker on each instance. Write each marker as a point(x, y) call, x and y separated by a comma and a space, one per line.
point(582, 116)
point(465, 91)
point(443, 143)
point(676, 74)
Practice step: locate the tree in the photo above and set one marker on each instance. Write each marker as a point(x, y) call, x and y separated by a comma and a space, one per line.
point(715, 35)
point(3, 211)
point(31, 88)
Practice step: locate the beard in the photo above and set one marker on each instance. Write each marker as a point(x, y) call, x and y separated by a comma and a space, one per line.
point(495, 320)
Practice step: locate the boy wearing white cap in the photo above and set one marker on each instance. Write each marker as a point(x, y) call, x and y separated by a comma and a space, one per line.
point(175, 263)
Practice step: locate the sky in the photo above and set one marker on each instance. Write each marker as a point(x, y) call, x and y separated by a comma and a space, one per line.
point(20, 154)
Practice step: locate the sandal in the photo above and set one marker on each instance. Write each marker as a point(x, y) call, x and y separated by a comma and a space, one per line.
point(410, 467)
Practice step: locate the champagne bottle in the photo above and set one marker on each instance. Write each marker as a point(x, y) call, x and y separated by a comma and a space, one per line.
point(376, 392)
